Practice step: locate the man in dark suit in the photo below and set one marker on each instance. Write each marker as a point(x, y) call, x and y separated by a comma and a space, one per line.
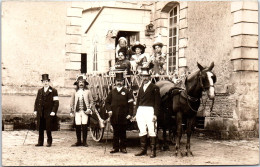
point(119, 104)
point(45, 108)
point(148, 102)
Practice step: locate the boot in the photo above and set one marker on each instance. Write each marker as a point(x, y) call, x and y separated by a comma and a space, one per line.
point(78, 134)
point(85, 135)
point(153, 147)
point(143, 146)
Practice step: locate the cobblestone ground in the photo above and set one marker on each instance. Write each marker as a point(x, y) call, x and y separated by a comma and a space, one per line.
point(206, 151)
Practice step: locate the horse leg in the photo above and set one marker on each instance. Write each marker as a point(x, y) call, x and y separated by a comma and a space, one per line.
point(190, 123)
point(165, 145)
point(179, 133)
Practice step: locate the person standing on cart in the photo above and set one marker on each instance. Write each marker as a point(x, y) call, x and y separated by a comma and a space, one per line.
point(45, 108)
point(81, 104)
point(148, 102)
point(119, 105)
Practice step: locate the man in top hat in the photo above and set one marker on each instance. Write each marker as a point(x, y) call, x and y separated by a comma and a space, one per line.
point(45, 108)
point(157, 60)
point(138, 60)
point(119, 104)
point(148, 102)
point(81, 105)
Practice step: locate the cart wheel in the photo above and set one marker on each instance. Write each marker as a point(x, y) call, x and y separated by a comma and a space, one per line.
point(96, 133)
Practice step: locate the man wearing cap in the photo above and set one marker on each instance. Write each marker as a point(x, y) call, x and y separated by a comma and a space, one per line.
point(119, 104)
point(45, 108)
point(158, 58)
point(148, 102)
point(138, 60)
point(81, 105)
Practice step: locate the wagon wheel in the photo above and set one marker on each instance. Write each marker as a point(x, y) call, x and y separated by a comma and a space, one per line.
point(96, 133)
point(95, 130)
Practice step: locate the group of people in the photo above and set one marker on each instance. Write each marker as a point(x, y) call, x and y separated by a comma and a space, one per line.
point(134, 58)
point(119, 105)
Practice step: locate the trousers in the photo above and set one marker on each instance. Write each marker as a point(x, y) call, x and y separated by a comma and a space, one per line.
point(81, 117)
point(144, 118)
point(41, 132)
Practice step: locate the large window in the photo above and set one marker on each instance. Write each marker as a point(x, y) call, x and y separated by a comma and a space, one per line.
point(173, 38)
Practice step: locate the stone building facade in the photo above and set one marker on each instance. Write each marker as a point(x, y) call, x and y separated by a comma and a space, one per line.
point(225, 32)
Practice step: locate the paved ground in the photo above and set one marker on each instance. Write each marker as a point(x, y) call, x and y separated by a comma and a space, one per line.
point(206, 151)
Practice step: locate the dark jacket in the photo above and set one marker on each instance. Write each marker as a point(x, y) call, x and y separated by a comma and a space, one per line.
point(151, 97)
point(45, 103)
point(123, 65)
point(121, 105)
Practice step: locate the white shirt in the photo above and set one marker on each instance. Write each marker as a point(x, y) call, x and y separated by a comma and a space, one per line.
point(46, 88)
point(146, 86)
point(119, 89)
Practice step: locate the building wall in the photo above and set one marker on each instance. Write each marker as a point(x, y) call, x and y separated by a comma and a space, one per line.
point(33, 40)
point(33, 35)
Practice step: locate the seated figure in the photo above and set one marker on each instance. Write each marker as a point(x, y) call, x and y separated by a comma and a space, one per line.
point(122, 63)
point(138, 60)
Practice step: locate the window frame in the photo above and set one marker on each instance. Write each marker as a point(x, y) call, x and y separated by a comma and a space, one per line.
point(176, 25)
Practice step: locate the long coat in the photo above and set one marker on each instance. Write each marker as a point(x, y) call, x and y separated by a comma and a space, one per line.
point(121, 105)
point(151, 97)
point(44, 105)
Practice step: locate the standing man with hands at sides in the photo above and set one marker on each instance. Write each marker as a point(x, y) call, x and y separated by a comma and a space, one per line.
point(81, 104)
point(148, 102)
point(45, 108)
point(119, 104)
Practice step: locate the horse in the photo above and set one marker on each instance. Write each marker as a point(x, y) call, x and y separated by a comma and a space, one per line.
point(184, 103)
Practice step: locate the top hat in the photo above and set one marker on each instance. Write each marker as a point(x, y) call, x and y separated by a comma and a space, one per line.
point(45, 77)
point(145, 72)
point(158, 42)
point(138, 45)
point(81, 77)
point(119, 76)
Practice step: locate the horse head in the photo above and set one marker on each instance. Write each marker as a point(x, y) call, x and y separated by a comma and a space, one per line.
point(207, 79)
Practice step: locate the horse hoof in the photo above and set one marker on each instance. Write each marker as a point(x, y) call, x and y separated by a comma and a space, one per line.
point(189, 154)
point(178, 154)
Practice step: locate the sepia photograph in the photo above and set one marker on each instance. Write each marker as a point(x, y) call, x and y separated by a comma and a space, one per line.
point(129, 83)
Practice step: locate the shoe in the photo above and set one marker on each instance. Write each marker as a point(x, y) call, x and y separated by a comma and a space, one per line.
point(123, 150)
point(76, 144)
point(114, 151)
point(38, 145)
point(85, 144)
point(48, 145)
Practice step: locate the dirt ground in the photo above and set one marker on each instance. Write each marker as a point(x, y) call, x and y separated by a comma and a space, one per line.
point(206, 151)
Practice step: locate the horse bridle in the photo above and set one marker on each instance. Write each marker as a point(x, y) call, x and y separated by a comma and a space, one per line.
point(204, 88)
point(194, 99)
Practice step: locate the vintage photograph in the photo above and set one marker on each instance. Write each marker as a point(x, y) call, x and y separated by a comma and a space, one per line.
point(115, 83)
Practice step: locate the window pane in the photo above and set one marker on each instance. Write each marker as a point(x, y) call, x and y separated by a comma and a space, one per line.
point(174, 41)
point(170, 50)
point(170, 60)
point(174, 31)
point(175, 19)
point(170, 41)
point(170, 32)
point(171, 13)
point(175, 11)
point(174, 49)
point(174, 60)
point(171, 22)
